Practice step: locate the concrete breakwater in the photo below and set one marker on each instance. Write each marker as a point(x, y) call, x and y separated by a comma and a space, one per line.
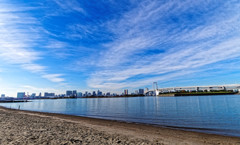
point(13, 101)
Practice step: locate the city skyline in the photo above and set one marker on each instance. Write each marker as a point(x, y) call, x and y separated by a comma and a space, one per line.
point(140, 91)
point(74, 93)
point(116, 45)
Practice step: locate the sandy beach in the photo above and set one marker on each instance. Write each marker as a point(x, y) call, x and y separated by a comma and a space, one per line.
point(27, 127)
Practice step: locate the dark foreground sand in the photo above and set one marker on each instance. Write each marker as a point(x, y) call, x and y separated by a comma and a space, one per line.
point(26, 127)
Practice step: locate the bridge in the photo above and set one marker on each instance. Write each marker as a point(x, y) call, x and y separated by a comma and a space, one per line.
point(157, 90)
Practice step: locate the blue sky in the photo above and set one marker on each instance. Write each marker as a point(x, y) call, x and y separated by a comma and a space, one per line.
point(55, 45)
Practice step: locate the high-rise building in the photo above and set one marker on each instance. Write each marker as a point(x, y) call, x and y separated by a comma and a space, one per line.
point(99, 93)
point(108, 94)
point(94, 93)
point(141, 91)
point(33, 95)
point(40, 94)
point(126, 92)
point(69, 93)
point(3, 96)
point(86, 94)
point(20, 95)
point(136, 92)
point(51, 95)
point(79, 94)
point(75, 93)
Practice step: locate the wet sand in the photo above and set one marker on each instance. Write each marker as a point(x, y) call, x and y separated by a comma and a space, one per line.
point(27, 127)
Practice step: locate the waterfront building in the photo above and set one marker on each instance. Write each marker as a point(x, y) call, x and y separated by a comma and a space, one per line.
point(3, 96)
point(86, 94)
point(108, 94)
point(69, 93)
point(99, 93)
point(136, 92)
point(62, 95)
point(75, 93)
point(126, 92)
point(40, 94)
point(79, 94)
point(94, 93)
point(141, 91)
point(89, 94)
point(49, 95)
point(21, 95)
point(33, 95)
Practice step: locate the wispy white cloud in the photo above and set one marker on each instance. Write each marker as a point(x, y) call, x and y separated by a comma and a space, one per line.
point(35, 68)
point(57, 78)
point(149, 40)
point(70, 6)
point(186, 46)
point(19, 36)
point(59, 49)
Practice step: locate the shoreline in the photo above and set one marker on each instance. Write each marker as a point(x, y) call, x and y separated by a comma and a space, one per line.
point(144, 132)
point(129, 96)
point(67, 116)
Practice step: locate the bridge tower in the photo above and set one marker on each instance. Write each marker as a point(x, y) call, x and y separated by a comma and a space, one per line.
point(155, 88)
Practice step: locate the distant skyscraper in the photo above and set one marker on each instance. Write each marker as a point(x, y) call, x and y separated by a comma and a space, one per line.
point(20, 95)
point(69, 93)
point(108, 94)
point(86, 94)
point(40, 94)
point(75, 93)
point(126, 92)
point(45, 94)
point(141, 91)
point(99, 93)
point(3, 96)
point(146, 90)
point(33, 95)
point(94, 93)
point(79, 94)
point(50, 95)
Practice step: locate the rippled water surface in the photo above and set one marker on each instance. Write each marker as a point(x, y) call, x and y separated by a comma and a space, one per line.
point(212, 114)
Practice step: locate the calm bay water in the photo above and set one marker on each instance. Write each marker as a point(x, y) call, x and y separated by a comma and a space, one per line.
point(211, 114)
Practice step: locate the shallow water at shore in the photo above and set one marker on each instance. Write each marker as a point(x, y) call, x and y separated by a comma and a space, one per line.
point(211, 114)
